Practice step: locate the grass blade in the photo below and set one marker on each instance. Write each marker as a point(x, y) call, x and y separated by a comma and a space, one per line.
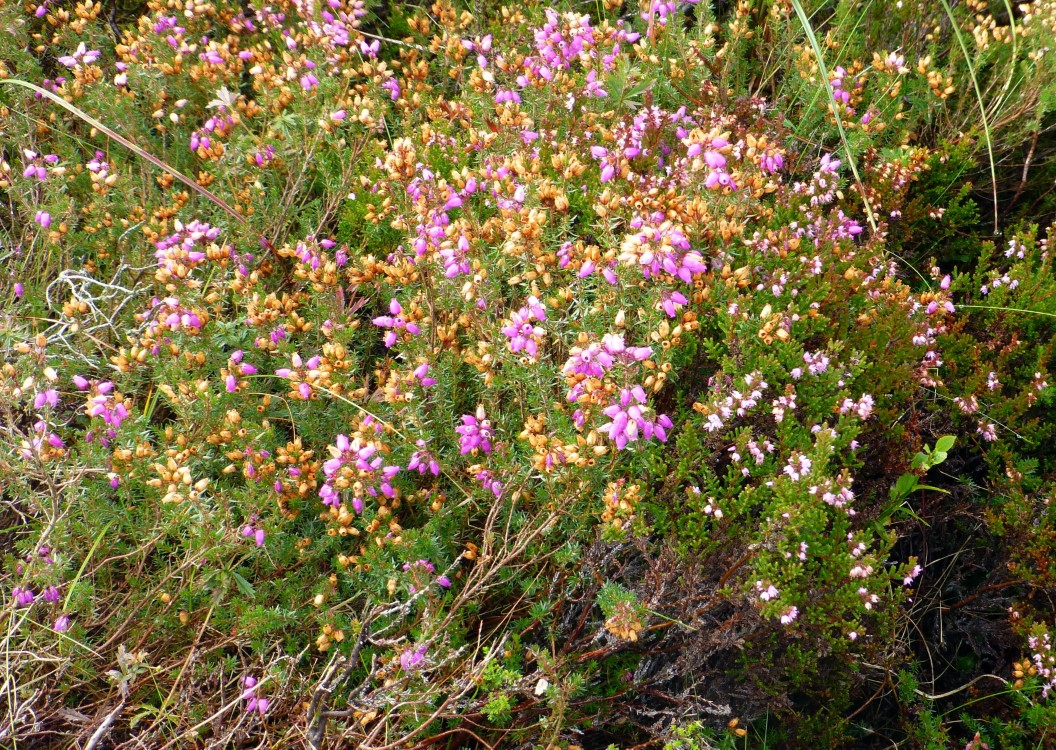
point(979, 101)
point(137, 150)
point(809, 31)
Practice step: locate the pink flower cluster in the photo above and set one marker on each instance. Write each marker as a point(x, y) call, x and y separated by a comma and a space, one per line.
point(422, 571)
point(35, 164)
point(422, 460)
point(184, 246)
point(629, 419)
point(256, 533)
point(236, 369)
point(738, 403)
point(330, 28)
point(104, 404)
point(1044, 659)
point(863, 407)
point(169, 315)
point(475, 433)
point(767, 591)
point(81, 56)
point(838, 494)
point(657, 11)
point(717, 177)
point(839, 91)
point(596, 359)
point(216, 125)
point(661, 247)
point(523, 334)
point(395, 322)
point(356, 460)
point(413, 659)
point(300, 374)
point(249, 695)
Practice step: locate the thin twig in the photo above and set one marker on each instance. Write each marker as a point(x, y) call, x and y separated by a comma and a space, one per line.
point(99, 733)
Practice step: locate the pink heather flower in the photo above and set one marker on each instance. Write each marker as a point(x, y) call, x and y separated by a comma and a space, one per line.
point(102, 405)
point(945, 283)
point(863, 407)
point(475, 432)
point(719, 179)
point(782, 404)
point(860, 571)
point(772, 162)
point(370, 49)
point(253, 703)
point(421, 374)
point(489, 482)
point(908, 580)
point(19, 290)
point(798, 467)
point(817, 362)
point(767, 591)
point(443, 582)
point(257, 534)
point(80, 382)
point(49, 397)
point(36, 170)
point(592, 361)
point(425, 565)
point(422, 461)
point(988, 430)
point(868, 600)
point(393, 87)
point(62, 624)
point(43, 218)
point(660, 246)
point(82, 55)
point(502, 96)
point(789, 615)
point(309, 81)
point(396, 322)
point(671, 301)
point(24, 597)
point(523, 334)
point(413, 659)
point(50, 594)
point(629, 421)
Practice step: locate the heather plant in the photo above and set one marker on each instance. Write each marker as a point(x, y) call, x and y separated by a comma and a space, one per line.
point(512, 376)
